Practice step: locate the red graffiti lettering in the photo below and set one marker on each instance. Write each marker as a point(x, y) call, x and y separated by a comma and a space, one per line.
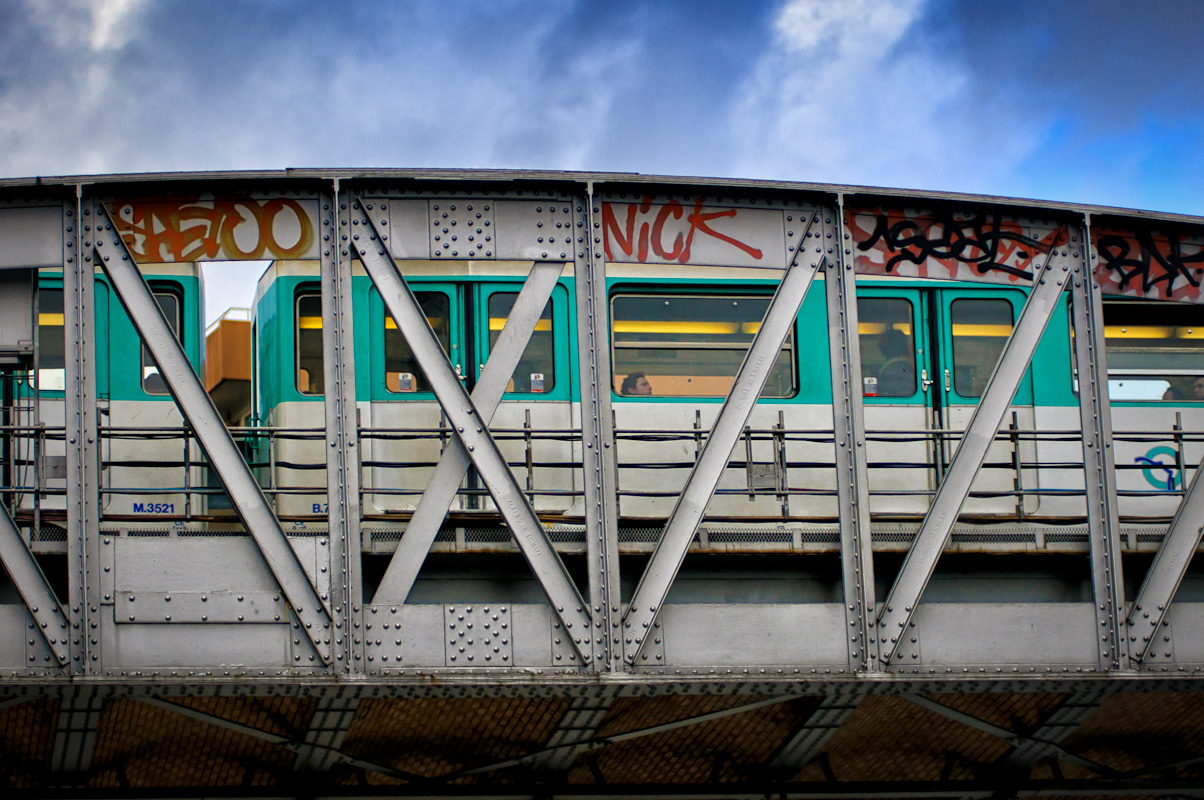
point(198, 229)
point(651, 235)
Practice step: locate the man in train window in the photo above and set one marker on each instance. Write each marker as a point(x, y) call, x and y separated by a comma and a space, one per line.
point(636, 384)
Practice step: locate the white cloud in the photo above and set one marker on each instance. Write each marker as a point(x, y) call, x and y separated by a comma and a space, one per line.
point(855, 93)
point(96, 24)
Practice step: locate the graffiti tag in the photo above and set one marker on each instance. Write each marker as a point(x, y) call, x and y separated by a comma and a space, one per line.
point(227, 229)
point(945, 245)
point(653, 221)
point(1169, 480)
point(1139, 263)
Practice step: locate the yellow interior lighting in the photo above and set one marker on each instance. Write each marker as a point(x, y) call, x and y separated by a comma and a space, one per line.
point(497, 323)
point(656, 326)
point(982, 329)
point(879, 328)
point(1152, 332)
point(309, 323)
point(47, 318)
point(434, 322)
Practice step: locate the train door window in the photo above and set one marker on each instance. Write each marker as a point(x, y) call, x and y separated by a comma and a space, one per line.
point(691, 345)
point(979, 329)
point(1155, 351)
point(309, 344)
point(52, 373)
point(886, 332)
point(402, 373)
point(536, 370)
point(152, 381)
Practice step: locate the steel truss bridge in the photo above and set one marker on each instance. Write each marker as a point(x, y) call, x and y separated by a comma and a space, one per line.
point(260, 666)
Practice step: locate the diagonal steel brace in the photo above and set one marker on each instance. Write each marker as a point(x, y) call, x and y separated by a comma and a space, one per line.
point(31, 584)
point(917, 569)
point(704, 478)
point(198, 409)
point(424, 526)
point(470, 426)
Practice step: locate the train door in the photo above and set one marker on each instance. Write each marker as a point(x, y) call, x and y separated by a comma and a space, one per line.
point(536, 410)
point(926, 355)
point(410, 425)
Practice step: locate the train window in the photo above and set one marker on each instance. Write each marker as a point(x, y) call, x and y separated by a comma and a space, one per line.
point(536, 370)
point(1155, 351)
point(690, 345)
point(152, 381)
point(309, 344)
point(980, 329)
point(402, 373)
point(888, 346)
point(52, 374)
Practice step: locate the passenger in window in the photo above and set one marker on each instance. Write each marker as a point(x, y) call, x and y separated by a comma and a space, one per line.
point(897, 377)
point(1198, 388)
point(636, 384)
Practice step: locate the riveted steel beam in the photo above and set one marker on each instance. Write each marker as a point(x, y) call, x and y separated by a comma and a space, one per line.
point(22, 568)
point(1059, 724)
point(599, 471)
point(342, 434)
point(367, 239)
point(704, 478)
point(852, 482)
point(80, 224)
point(198, 409)
point(1099, 468)
point(1048, 284)
point(424, 526)
point(1166, 573)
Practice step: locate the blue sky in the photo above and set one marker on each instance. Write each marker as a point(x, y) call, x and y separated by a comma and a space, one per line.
point(1097, 102)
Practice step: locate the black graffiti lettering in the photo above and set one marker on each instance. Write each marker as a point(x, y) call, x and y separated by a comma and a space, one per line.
point(1129, 267)
point(980, 241)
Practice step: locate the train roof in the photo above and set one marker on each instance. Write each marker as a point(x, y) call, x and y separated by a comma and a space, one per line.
point(630, 180)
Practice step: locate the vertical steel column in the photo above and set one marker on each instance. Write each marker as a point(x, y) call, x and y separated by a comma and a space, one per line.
point(852, 482)
point(1099, 460)
point(598, 437)
point(342, 435)
point(80, 227)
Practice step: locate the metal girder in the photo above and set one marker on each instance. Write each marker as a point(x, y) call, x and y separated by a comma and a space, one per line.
point(810, 738)
point(1063, 721)
point(342, 434)
point(75, 731)
point(83, 449)
point(453, 465)
point(704, 478)
point(470, 426)
point(1032, 744)
point(579, 724)
point(1099, 466)
point(198, 409)
point(327, 730)
point(1048, 284)
point(594, 744)
point(306, 749)
point(1166, 573)
point(31, 584)
point(598, 467)
point(852, 482)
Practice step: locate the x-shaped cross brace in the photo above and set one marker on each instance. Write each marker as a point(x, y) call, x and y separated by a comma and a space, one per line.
point(369, 237)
